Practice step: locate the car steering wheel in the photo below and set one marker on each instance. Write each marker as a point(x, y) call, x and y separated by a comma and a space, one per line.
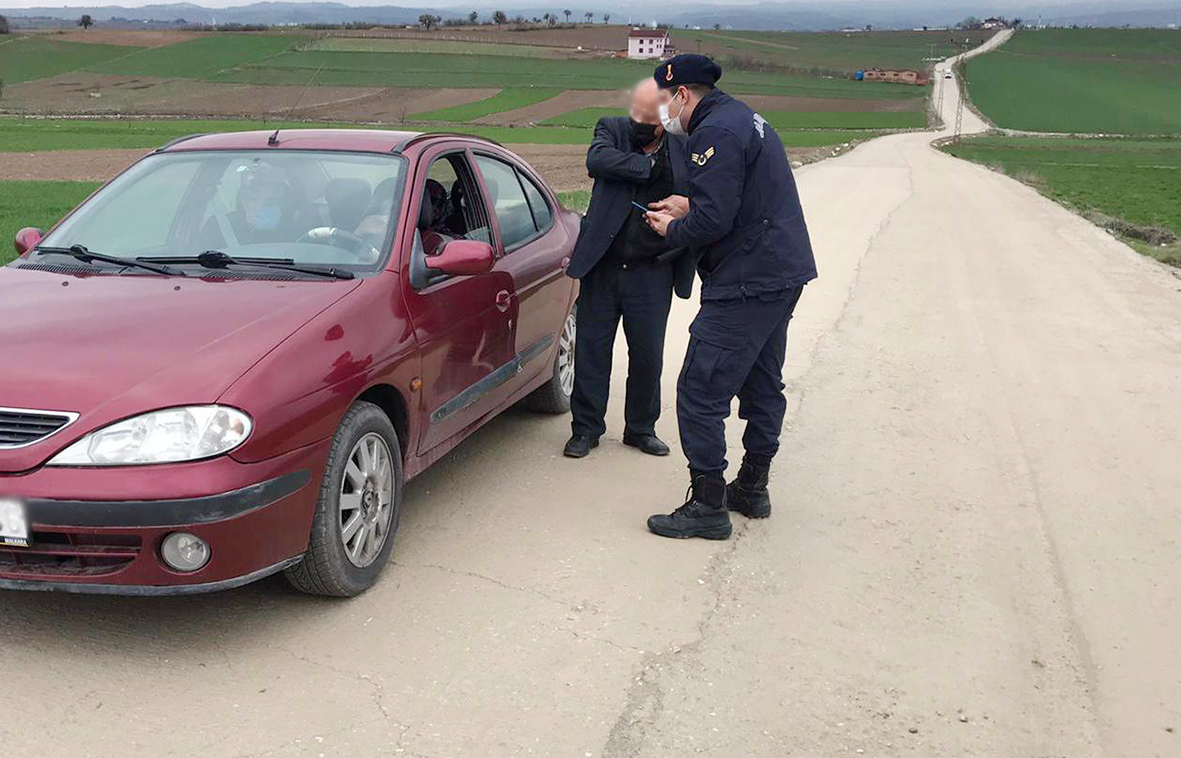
point(340, 238)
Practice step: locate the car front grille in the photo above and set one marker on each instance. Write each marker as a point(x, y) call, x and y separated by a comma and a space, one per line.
point(20, 426)
point(57, 555)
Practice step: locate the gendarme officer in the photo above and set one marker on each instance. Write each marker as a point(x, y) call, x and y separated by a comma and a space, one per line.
point(745, 221)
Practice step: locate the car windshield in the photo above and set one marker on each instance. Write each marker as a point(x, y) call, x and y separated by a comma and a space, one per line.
point(295, 207)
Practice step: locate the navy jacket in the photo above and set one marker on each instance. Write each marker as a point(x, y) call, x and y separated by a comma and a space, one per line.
point(616, 167)
point(745, 218)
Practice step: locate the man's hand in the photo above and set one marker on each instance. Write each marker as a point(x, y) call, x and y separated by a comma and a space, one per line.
point(676, 206)
point(659, 221)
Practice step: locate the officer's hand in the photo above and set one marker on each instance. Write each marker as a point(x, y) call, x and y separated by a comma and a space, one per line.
point(659, 221)
point(676, 206)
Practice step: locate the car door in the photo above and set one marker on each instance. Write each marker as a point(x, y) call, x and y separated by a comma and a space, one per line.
point(531, 247)
point(463, 324)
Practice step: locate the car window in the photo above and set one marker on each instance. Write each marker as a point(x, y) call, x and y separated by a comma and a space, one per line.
point(508, 200)
point(543, 215)
point(149, 203)
point(324, 208)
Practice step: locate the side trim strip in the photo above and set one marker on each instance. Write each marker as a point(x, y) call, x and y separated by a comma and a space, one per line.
point(490, 382)
point(138, 513)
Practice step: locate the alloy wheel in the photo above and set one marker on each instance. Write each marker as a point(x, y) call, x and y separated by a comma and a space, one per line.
point(366, 500)
point(566, 355)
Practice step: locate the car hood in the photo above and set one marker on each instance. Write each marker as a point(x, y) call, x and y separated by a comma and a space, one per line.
point(107, 347)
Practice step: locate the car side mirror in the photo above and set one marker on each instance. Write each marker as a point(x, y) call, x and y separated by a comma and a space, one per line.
point(27, 239)
point(463, 257)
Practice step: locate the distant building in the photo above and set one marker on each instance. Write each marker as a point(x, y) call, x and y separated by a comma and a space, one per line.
point(895, 76)
point(648, 43)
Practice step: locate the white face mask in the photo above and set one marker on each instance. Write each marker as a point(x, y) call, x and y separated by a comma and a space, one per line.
point(671, 124)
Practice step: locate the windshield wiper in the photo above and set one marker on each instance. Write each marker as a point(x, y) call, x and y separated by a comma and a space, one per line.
point(81, 253)
point(218, 259)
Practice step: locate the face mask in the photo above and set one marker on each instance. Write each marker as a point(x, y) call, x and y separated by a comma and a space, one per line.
point(266, 218)
point(671, 124)
point(642, 134)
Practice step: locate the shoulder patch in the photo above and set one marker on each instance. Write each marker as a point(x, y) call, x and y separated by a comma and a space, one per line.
point(701, 158)
point(760, 123)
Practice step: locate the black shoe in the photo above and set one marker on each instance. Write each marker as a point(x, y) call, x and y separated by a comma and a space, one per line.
point(579, 446)
point(748, 493)
point(703, 515)
point(647, 443)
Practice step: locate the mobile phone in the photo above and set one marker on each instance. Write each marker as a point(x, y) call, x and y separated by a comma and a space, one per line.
point(640, 207)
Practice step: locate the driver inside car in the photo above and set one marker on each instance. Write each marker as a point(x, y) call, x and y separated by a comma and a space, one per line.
point(432, 218)
point(264, 213)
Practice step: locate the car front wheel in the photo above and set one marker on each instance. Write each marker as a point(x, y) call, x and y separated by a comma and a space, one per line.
point(357, 512)
point(554, 395)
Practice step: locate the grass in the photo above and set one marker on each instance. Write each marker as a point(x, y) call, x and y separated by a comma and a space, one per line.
point(199, 58)
point(1085, 81)
point(33, 134)
point(576, 200)
point(834, 51)
point(1132, 186)
point(387, 45)
point(24, 59)
point(505, 100)
point(454, 70)
point(35, 203)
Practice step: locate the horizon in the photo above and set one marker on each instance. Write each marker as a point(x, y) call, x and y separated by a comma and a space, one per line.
point(986, 6)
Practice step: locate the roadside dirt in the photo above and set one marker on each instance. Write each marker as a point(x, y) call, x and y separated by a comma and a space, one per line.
point(570, 100)
point(563, 166)
point(128, 37)
point(97, 94)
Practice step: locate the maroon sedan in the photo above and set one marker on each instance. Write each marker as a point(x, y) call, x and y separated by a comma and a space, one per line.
point(233, 355)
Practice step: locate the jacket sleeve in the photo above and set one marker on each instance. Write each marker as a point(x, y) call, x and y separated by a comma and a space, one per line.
point(605, 160)
point(717, 173)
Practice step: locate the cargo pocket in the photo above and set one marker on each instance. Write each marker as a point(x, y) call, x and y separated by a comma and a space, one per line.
point(715, 358)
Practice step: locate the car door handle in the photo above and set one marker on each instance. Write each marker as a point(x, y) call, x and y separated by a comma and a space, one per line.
point(503, 298)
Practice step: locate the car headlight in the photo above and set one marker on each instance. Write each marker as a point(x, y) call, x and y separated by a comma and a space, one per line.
point(171, 435)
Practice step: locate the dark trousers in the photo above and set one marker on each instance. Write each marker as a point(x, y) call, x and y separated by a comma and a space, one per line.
point(736, 347)
point(640, 295)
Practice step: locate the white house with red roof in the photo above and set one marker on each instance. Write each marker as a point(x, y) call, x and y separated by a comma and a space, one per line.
point(647, 43)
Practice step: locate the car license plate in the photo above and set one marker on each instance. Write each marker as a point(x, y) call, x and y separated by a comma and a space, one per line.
point(14, 523)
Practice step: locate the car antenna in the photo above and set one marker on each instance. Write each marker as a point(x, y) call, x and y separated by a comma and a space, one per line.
point(273, 139)
point(303, 92)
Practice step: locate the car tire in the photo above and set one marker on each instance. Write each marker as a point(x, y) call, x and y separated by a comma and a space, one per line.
point(354, 486)
point(554, 395)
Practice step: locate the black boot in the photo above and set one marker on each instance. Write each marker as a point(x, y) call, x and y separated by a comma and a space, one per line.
point(748, 493)
point(703, 515)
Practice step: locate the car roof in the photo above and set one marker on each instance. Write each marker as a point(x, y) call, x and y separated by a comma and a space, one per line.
point(350, 140)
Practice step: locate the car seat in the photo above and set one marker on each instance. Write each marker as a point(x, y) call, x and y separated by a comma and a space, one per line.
point(348, 199)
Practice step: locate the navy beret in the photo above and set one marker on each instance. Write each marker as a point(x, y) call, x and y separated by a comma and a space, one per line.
point(687, 68)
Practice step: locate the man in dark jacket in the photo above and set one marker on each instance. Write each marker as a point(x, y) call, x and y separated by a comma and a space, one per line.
point(745, 220)
point(627, 272)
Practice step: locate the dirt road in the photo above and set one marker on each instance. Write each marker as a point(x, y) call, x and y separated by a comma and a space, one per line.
point(974, 551)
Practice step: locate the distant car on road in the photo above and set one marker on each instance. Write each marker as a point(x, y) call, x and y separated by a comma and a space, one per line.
point(948, 75)
point(227, 361)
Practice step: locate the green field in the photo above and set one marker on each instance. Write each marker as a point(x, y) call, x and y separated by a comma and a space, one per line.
point(386, 45)
point(783, 121)
point(33, 134)
point(1083, 81)
point(1134, 180)
point(459, 70)
point(833, 51)
point(199, 58)
point(24, 59)
point(505, 100)
point(38, 204)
